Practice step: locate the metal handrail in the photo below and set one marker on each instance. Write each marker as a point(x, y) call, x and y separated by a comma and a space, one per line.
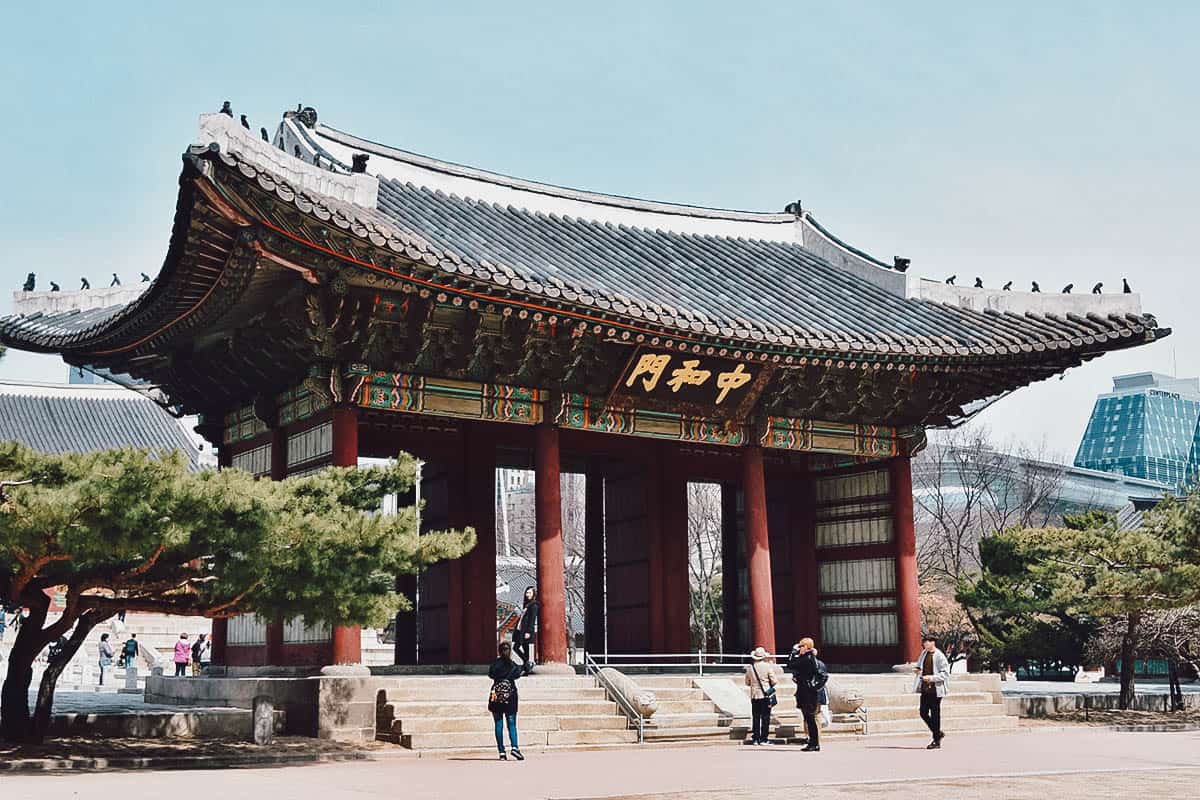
point(631, 713)
point(697, 659)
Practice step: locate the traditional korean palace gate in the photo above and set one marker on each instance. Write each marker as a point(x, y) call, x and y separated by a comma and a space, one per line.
point(315, 313)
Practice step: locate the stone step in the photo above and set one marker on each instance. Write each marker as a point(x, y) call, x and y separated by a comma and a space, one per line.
point(656, 682)
point(675, 694)
point(484, 723)
point(693, 720)
point(912, 699)
point(788, 732)
point(482, 740)
point(902, 685)
point(683, 733)
point(474, 693)
point(911, 711)
point(949, 723)
point(685, 706)
point(413, 709)
point(447, 682)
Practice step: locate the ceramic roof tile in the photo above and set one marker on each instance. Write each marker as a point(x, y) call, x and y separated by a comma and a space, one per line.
point(70, 419)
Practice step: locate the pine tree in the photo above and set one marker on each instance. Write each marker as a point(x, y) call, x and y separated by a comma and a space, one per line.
point(1052, 584)
point(131, 530)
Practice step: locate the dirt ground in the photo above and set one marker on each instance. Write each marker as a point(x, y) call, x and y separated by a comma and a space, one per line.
point(1100, 719)
point(167, 748)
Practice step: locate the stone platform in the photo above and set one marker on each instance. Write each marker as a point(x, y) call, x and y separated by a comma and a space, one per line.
point(111, 715)
point(448, 711)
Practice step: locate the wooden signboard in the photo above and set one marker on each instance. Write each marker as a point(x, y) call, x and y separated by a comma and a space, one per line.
point(698, 385)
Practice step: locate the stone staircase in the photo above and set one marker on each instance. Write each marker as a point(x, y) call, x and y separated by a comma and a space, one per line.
point(974, 704)
point(447, 713)
point(685, 712)
point(450, 713)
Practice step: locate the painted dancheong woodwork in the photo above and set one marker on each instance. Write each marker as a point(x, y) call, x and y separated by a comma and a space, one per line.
point(391, 391)
point(588, 414)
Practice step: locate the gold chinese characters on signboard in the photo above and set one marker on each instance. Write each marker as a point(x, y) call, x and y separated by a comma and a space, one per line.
point(687, 379)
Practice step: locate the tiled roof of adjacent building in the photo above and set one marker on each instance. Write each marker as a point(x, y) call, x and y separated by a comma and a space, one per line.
point(54, 418)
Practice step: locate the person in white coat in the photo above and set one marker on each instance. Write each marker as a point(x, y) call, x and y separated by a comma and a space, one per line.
point(932, 681)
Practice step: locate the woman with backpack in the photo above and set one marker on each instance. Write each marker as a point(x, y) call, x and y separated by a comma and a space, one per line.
point(526, 632)
point(810, 675)
point(502, 701)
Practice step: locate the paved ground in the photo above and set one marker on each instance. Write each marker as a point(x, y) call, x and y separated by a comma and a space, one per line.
point(1063, 764)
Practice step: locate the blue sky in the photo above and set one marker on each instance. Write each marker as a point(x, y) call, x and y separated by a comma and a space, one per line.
point(1011, 142)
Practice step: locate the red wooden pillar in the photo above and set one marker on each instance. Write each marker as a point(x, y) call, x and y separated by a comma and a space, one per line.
point(758, 549)
point(653, 486)
point(218, 637)
point(458, 516)
point(594, 601)
point(279, 463)
point(347, 639)
point(804, 557)
point(279, 453)
point(220, 627)
point(908, 602)
point(673, 558)
point(477, 630)
point(731, 572)
point(275, 644)
point(552, 637)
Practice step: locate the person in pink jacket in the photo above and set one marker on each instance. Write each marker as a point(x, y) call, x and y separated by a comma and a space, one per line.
point(183, 654)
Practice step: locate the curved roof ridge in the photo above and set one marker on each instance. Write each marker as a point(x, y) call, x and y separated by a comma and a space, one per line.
point(549, 189)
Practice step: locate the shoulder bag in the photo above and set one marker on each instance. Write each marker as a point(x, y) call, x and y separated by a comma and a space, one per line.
point(768, 692)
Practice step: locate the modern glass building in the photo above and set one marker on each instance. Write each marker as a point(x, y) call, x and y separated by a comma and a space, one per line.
point(1147, 427)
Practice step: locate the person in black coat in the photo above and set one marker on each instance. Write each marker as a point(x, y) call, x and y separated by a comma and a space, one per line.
point(810, 675)
point(502, 701)
point(526, 632)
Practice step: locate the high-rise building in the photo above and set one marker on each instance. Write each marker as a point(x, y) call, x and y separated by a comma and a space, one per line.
point(1146, 427)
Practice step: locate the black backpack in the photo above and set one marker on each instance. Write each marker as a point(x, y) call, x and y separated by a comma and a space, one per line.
point(501, 696)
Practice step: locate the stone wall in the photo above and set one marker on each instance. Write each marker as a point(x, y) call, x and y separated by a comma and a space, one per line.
point(1052, 705)
point(328, 707)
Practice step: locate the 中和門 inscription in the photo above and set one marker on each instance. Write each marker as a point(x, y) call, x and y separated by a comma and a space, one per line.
point(688, 379)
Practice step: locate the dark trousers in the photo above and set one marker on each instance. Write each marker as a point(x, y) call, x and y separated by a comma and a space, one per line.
point(180, 670)
point(807, 703)
point(931, 712)
point(760, 727)
point(522, 646)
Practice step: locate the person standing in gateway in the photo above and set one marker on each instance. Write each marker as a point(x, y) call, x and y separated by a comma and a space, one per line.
point(526, 632)
point(932, 681)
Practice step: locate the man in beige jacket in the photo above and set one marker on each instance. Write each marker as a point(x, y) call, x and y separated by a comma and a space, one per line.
point(760, 677)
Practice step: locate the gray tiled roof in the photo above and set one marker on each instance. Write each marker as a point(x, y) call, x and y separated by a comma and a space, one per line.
point(70, 419)
point(61, 328)
point(752, 289)
point(738, 288)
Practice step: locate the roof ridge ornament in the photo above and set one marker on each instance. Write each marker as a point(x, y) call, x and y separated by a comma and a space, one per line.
point(306, 115)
